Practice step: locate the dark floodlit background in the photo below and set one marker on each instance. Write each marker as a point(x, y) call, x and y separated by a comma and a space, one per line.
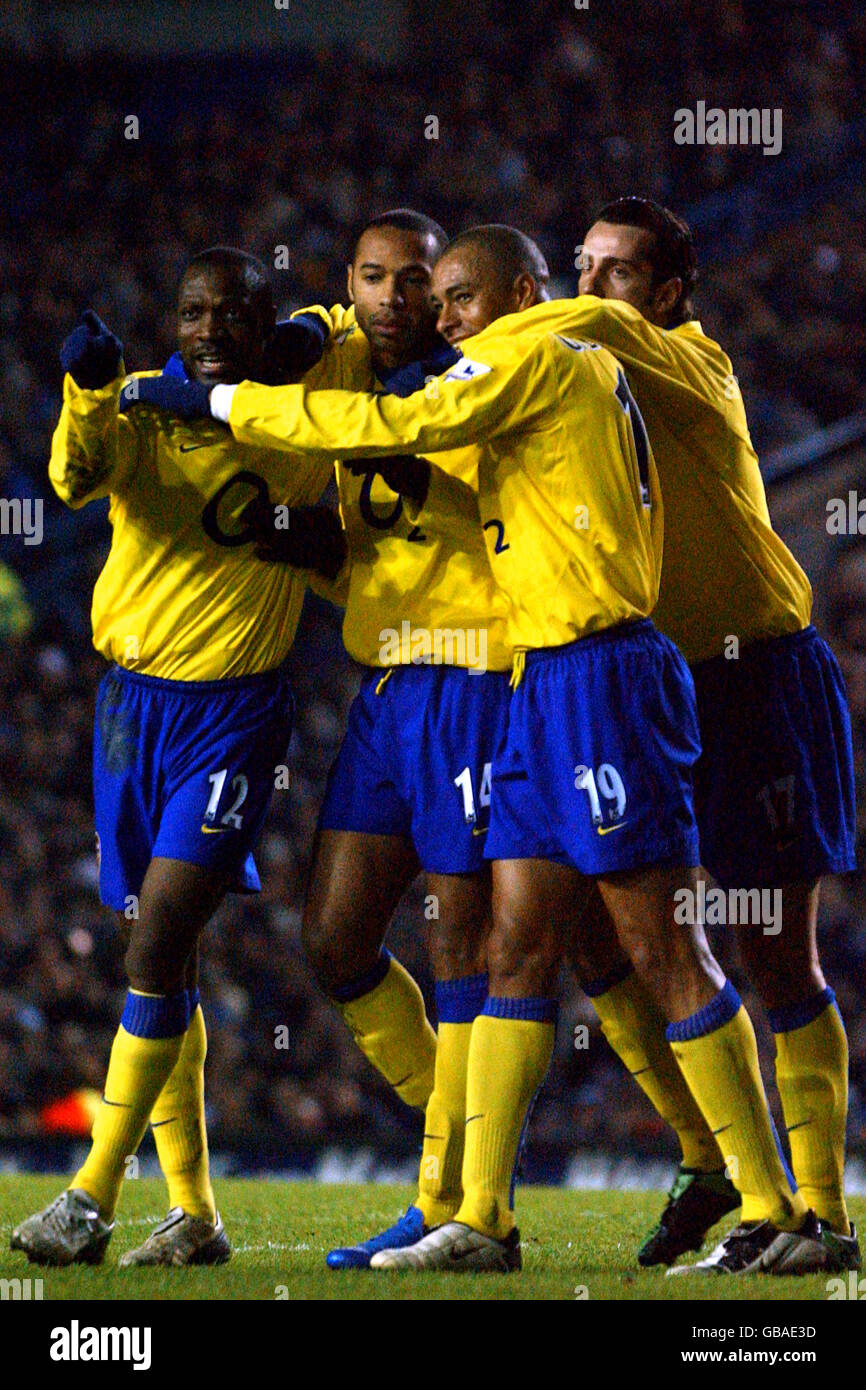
point(266, 127)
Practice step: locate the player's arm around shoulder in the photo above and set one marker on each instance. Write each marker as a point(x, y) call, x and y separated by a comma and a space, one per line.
point(614, 324)
point(689, 367)
point(669, 361)
point(499, 383)
point(95, 450)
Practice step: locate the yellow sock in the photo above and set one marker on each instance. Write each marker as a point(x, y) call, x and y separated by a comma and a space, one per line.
point(439, 1185)
point(391, 1028)
point(508, 1060)
point(717, 1052)
point(635, 1028)
point(137, 1071)
point(177, 1121)
point(812, 1076)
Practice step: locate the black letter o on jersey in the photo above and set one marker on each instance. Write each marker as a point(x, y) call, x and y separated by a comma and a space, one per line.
point(210, 515)
point(380, 523)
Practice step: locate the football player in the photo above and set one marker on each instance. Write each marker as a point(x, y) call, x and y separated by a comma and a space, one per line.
point(410, 787)
point(578, 798)
point(774, 784)
point(192, 719)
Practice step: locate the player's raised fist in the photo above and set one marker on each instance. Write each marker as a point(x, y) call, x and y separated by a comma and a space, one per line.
point(91, 354)
point(294, 347)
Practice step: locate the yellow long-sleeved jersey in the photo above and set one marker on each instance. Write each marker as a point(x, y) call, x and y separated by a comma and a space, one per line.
point(568, 492)
point(411, 573)
point(181, 595)
point(725, 571)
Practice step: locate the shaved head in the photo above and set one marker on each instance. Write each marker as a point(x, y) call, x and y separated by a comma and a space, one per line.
point(510, 251)
point(484, 274)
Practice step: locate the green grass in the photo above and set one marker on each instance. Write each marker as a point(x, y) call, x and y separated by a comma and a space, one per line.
point(280, 1232)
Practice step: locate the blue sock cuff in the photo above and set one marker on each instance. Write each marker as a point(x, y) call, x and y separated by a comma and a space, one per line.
point(530, 1010)
point(364, 984)
point(605, 982)
point(714, 1015)
point(792, 1016)
point(461, 1001)
point(156, 1016)
point(194, 1000)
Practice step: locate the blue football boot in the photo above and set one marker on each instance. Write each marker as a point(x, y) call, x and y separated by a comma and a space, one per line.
point(409, 1229)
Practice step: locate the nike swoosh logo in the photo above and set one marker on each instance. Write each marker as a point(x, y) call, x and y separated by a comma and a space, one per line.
point(119, 1105)
point(155, 1124)
point(602, 830)
point(641, 1072)
point(434, 1136)
point(480, 831)
point(403, 1079)
point(188, 448)
point(723, 1128)
point(802, 1124)
point(474, 1117)
point(213, 830)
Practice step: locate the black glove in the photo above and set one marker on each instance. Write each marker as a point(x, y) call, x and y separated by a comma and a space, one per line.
point(91, 354)
point(314, 538)
point(189, 400)
point(403, 473)
point(294, 347)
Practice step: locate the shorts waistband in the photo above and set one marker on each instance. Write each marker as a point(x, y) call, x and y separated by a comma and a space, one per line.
point(384, 673)
point(759, 647)
point(531, 656)
point(258, 680)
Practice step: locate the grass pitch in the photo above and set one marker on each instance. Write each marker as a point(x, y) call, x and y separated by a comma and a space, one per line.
point(576, 1245)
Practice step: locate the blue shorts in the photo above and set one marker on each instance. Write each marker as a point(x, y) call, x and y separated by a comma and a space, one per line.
point(184, 770)
point(774, 788)
point(415, 762)
point(596, 770)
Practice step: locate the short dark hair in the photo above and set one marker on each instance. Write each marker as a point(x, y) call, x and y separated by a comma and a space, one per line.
point(408, 220)
point(514, 252)
point(672, 248)
point(251, 273)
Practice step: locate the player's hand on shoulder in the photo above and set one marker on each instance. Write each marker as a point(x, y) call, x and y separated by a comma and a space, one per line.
point(306, 537)
point(189, 400)
point(92, 355)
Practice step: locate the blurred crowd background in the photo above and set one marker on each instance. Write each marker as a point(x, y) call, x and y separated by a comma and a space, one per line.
point(544, 113)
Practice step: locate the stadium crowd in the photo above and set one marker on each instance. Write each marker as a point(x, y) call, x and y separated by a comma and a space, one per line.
point(550, 117)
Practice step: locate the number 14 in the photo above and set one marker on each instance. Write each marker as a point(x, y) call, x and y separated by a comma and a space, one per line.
point(464, 782)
